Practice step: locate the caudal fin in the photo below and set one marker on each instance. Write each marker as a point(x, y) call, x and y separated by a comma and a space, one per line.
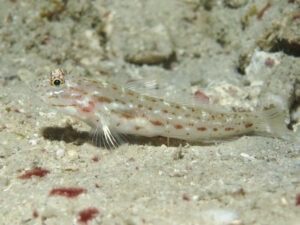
point(274, 123)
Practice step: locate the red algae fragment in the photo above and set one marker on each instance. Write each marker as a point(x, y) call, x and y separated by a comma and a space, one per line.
point(297, 200)
point(35, 214)
point(269, 62)
point(96, 158)
point(201, 97)
point(185, 197)
point(38, 172)
point(261, 13)
point(87, 214)
point(131, 159)
point(68, 192)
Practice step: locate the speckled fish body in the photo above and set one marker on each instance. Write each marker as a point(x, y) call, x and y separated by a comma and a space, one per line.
point(114, 109)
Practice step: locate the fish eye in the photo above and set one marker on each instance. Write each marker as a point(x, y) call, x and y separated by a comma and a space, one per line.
point(56, 82)
point(57, 77)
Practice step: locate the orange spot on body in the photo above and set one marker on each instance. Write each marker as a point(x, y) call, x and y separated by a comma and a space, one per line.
point(103, 99)
point(228, 129)
point(73, 89)
point(156, 123)
point(215, 129)
point(165, 111)
point(88, 108)
point(137, 127)
point(66, 96)
point(77, 96)
point(247, 125)
point(202, 128)
point(127, 116)
point(120, 101)
point(178, 126)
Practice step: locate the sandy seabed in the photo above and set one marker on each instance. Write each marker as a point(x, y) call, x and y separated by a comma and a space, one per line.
point(241, 54)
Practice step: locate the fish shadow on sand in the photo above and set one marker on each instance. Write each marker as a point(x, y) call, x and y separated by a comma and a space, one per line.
point(69, 134)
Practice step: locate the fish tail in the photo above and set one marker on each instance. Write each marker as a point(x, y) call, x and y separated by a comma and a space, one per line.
point(274, 123)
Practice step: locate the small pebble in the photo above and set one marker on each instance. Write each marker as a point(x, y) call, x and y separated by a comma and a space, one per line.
point(60, 152)
point(235, 3)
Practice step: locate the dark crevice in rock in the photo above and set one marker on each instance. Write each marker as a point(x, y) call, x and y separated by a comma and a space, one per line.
point(288, 47)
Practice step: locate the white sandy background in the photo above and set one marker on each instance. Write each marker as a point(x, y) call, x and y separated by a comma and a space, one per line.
point(242, 54)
